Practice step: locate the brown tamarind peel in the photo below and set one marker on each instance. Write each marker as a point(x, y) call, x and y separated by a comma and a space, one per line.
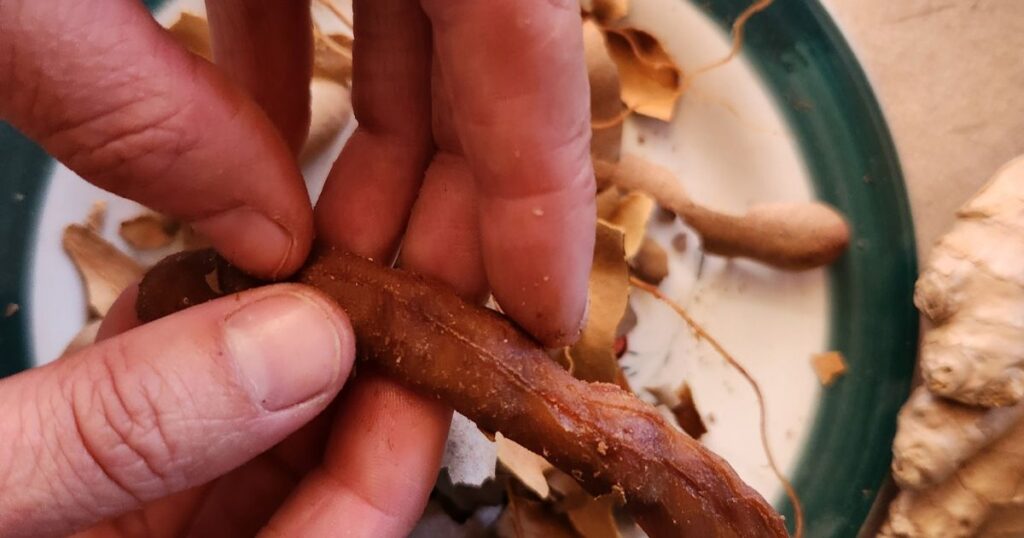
point(423, 335)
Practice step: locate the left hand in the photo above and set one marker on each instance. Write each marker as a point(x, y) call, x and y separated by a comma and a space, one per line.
point(472, 153)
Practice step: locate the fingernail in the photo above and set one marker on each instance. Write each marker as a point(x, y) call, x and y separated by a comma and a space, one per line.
point(244, 229)
point(287, 349)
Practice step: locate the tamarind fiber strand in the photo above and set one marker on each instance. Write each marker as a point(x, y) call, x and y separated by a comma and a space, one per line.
point(423, 335)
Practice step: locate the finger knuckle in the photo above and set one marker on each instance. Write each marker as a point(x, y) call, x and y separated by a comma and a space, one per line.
point(127, 144)
point(120, 425)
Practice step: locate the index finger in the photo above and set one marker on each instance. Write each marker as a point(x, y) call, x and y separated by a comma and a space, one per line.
point(134, 113)
point(523, 117)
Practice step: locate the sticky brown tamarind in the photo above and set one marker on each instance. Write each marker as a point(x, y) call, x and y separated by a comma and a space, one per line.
point(475, 360)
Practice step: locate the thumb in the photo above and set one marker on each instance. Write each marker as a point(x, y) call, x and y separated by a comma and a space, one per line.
point(165, 407)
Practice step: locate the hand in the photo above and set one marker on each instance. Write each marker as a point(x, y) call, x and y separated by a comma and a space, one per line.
point(472, 152)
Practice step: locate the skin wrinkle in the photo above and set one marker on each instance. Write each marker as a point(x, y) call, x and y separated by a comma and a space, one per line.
point(112, 43)
point(577, 143)
point(536, 47)
point(413, 140)
point(121, 419)
point(186, 145)
point(178, 145)
point(31, 475)
point(109, 457)
point(118, 78)
point(69, 127)
point(160, 121)
point(379, 410)
point(127, 147)
point(522, 104)
point(535, 246)
point(360, 495)
point(415, 133)
point(93, 461)
point(217, 417)
point(523, 208)
point(147, 418)
point(166, 388)
point(178, 456)
point(19, 430)
point(232, 202)
point(582, 179)
point(57, 404)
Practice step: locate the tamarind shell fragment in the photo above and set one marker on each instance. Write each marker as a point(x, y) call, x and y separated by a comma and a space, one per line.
point(475, 360)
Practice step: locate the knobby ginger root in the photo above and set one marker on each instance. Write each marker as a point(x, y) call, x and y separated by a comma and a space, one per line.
point(789, 236)
point(1005, 522)
point(972, 290)
point(937, 436)
point(959, 506)
point(473, 359)
point(959, 449)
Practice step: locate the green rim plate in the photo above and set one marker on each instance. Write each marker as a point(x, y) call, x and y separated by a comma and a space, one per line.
point(846, 145)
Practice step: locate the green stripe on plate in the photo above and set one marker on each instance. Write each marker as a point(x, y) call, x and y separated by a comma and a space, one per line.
point(24, 168)
point(849, 152)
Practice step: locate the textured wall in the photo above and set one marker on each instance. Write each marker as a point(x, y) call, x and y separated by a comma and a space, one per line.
point(950, 76)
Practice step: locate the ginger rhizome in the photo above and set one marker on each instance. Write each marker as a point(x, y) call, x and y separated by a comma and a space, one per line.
point(959, 451)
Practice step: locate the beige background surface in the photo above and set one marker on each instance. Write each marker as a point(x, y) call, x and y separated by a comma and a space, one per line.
point(950, 77)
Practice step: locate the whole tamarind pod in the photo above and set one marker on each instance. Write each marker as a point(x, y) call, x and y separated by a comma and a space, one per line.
point(475, 360)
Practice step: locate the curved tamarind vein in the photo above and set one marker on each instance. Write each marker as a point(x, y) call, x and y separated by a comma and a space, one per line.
point(473, 359)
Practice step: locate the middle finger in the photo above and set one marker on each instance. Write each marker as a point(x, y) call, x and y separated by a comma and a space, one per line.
point(369, 192)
